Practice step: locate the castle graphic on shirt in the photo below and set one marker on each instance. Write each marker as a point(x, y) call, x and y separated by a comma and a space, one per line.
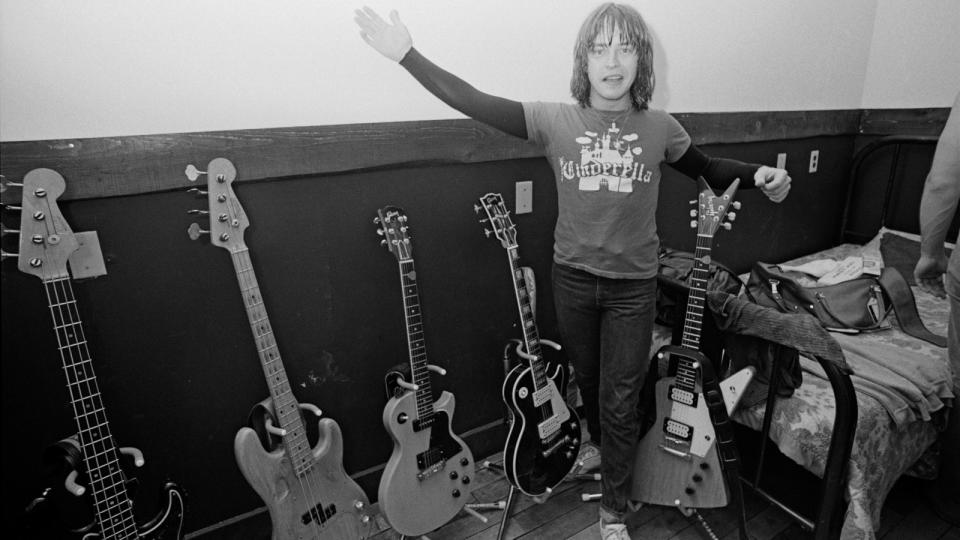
point(607, 162)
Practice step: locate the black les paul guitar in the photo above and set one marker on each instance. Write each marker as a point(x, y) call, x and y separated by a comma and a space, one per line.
point(544, 435)
point(677, 462)
point(46, 243)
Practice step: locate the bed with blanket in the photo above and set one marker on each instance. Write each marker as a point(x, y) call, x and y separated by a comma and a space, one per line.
point(858, 439)
point(902, 389)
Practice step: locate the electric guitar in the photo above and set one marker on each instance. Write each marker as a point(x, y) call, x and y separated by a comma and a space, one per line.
point(306, 490)
point(46, 244)
point(543, 440)
point(428, 477)
point(677, 462)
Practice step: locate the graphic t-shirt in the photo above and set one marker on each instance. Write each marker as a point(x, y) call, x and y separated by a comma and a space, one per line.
point(607, 169)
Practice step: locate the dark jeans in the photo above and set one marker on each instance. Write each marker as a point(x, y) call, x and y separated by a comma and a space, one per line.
point(605, 327)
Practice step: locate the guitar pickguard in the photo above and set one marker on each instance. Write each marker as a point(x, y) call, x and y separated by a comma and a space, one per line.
point(677, 461)
point(430, 473)
point(558, 410)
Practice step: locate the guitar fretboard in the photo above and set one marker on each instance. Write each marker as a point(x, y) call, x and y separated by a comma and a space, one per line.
point(112, 505)
point(415, 344)
point(531, 337)
point(686, 373)
point(285, 405)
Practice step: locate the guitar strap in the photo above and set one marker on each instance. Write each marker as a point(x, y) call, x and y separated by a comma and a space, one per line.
point(726, 446)
point(905, 305)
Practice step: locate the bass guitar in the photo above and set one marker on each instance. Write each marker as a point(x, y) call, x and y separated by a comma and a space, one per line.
point(306, 490)
point(543, 439)
point(428, 477)
point(46, 244)
point(677, 462)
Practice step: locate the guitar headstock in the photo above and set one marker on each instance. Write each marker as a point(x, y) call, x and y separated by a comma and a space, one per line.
point(714, 210)
point(46, 240)
point(392, 225)
point(498, 217)
point(228, 220)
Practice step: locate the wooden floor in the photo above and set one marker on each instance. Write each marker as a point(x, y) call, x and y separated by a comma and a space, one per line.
point(564, 516)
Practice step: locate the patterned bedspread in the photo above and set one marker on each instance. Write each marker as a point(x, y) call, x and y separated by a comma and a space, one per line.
point(883, 450)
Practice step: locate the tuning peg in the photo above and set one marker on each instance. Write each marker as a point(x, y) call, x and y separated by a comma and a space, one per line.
point(693, 213)
point(727, 226)
point(736, 205)
point(198, 192)
point(376, 220)
point(692, 202)
point(487, 232)
point(477, 208)
point(195, 231)
point(199, 212)
point(383, 242)
point(380, 231)
point(693, 223)
point(12, 207)
point(192, 173)
point(4, 230)
point(732, 216)
point(485, 220)
point(4, 255)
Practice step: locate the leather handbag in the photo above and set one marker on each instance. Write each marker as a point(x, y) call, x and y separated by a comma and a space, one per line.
point(857, 305)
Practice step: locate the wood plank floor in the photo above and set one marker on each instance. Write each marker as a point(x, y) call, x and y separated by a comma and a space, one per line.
point(565, 516)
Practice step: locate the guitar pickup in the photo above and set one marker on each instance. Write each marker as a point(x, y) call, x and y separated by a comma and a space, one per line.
point(319, 514)
point(677, 429)
point(684, 397)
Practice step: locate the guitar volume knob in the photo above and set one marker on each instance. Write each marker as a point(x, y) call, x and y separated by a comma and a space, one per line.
point(453, 475)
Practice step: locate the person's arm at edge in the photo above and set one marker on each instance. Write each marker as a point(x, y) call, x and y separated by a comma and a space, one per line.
point(941, 193)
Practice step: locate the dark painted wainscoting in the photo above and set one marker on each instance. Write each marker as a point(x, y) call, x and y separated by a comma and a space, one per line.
point(166, 326)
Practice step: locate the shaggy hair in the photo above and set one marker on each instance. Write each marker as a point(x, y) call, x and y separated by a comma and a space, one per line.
point(633, 30)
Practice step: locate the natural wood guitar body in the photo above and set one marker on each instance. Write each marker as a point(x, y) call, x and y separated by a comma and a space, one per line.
point(323, 503)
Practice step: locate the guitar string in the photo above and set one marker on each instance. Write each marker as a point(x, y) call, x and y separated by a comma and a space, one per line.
point(118, 515)
point(248, 283)
point(418, 372)
point(531, 337)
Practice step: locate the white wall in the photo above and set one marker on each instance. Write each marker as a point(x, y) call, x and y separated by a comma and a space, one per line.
point(93, 68)
point(914, 55)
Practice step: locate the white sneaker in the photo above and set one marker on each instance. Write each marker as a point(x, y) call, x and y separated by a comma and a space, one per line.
point(613, 531)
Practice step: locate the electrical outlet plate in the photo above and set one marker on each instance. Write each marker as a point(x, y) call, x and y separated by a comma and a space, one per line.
point(524, 197)
point(814, 160)
point(782, 160)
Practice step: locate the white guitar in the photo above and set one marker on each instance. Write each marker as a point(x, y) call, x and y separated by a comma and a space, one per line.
point(428, 478)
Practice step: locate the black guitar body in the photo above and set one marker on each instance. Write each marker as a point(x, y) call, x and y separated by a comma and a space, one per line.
point(51, 515)
point(532, 464)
